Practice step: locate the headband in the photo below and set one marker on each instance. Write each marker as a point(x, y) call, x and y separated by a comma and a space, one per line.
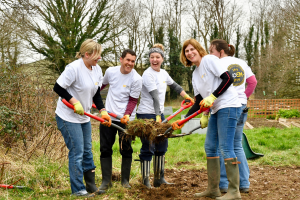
point(157, 50)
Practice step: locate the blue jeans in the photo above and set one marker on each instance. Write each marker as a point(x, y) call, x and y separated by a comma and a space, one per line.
point(149, 149)
point(239, 152)
point(220, 132)
point(79, 142)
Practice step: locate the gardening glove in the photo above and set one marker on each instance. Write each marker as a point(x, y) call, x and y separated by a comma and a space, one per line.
point(175, 126)
point(204, 120)
point(125, 119)
point(187, 97)
point(208, 101)
point(158, 118)
point(105, 116)
point(78, 108)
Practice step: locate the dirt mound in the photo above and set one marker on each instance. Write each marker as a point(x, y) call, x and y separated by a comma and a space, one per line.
point(261, 122)
point(266, 183)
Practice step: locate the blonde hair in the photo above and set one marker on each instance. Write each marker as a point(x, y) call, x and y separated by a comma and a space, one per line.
point(196, 45)
point(91, 47)
point(158, 45)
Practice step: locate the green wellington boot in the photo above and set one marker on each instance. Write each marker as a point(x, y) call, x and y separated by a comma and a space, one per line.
point(213, 173)
point(232, 171)
point(159, 171)
point(106, 168)
point(125, 172)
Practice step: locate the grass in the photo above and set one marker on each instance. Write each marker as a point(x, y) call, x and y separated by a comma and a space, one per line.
point(49, 179)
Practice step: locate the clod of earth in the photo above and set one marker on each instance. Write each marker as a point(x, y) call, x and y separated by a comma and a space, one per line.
point(149, 129)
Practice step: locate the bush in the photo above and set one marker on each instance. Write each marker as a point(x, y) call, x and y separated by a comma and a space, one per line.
point(293, 113)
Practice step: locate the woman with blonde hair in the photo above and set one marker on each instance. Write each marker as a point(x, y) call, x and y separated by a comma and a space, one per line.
point(80, 84)
point(155, 81)
point(213, 88)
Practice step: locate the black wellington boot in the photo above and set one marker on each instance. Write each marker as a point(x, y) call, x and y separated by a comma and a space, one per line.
point(89, 178)
point(159, 171)
point(125, 172)
point(106, 168)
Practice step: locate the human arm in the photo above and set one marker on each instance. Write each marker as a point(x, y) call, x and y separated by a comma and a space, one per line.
point(156, 105)
point(179, 90)
point(129, 109)
point(251, 84)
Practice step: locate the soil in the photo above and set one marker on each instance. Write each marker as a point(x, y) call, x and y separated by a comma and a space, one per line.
point(261, 122)
point(267, 182)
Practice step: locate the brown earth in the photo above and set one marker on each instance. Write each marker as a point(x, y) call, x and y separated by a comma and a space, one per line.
point(262, 122)
point(266, 183)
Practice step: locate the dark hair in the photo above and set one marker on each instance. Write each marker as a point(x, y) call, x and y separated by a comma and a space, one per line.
point(223, 45)
point(126, 51)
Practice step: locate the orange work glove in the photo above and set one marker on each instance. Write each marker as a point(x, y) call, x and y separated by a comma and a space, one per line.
point(175, 126)
point(187, 97)
point(125, 119)
point(105, 116)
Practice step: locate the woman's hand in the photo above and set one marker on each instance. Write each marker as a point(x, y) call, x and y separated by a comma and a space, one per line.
point(78, 108)
point(187, 97)
point(208, 101)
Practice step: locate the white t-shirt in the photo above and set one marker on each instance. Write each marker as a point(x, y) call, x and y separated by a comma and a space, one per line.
point(206, 79)
point(82, 84)
point(153, 80)
point(240, 72)
point(121, 86)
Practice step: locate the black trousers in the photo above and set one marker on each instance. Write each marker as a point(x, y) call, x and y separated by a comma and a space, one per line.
point(107, 140)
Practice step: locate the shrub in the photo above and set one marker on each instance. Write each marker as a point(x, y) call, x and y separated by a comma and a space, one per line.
point(293, 113)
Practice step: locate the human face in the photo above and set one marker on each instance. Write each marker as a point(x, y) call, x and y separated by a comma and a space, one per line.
point(192, 55)
point(127, 63)
point(91, 60)
point(155, 61)
point(213, 51)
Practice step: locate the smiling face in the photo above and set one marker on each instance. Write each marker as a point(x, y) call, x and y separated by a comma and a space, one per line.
point(192, 54)
point(127, 63)
point(213, 51)
point(155, 61)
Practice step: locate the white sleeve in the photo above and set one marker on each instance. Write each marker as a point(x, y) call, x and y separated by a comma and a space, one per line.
point(215, 66)
point(249, 72)
point(170, 81)
point(136, 88)
point(196, 92)
point(67, 77)
point(105, 79)
point(149, 82)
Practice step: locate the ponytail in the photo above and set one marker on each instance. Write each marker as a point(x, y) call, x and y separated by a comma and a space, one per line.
point(223, 45)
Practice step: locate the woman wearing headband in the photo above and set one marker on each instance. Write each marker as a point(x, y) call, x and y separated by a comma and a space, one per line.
point(155, 81)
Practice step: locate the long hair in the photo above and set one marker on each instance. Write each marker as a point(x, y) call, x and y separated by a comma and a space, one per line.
point(196, 45)
point(223, 45)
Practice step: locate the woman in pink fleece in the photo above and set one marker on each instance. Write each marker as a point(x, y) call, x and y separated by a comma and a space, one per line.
point(242, 74)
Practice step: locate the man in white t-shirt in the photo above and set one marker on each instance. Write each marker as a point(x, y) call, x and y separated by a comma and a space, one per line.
point(125, 86)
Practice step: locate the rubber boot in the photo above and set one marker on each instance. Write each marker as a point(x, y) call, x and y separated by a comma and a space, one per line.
point(125, 172)
point(213, 173)
point(106, 168)
point(89, 178)
point(159, 171)
point(145, 169)
point(232, 171)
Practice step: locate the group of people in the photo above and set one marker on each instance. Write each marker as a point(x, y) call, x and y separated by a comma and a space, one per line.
point(218, 82)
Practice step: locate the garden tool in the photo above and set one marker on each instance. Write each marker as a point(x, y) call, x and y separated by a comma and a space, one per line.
point(95, 117)
point(12, 186)
point(110, 113)
point(182, 107)
point(202, 109)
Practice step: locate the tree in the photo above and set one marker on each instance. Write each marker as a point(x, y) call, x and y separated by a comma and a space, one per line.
point(248, 45)
point(64, 24)
point(238, 41)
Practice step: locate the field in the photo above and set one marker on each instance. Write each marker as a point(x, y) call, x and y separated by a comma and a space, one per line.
point(274, 176)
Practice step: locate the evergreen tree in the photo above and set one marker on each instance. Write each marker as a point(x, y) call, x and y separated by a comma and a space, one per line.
point(215, 33)
point(176, 69)
point(248, 44)
point(238, 41)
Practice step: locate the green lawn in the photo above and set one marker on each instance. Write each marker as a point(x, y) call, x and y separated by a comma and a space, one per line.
point(50, 179)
